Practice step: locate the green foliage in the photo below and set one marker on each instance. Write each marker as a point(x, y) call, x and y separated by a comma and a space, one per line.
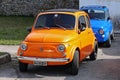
point(2, 53)
point(13, 29)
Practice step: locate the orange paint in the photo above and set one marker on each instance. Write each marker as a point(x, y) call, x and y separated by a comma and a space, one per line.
point(43, 42)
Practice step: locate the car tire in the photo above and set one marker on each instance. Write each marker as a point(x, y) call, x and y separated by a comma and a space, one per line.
point(93, 55)
point(74, 65)
point(112, 36)
point(108, 42)
point(23, 67)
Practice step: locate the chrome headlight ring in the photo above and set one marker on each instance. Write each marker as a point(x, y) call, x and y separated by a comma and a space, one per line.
point(101, 31)
point(61, 48)
point(23, 46)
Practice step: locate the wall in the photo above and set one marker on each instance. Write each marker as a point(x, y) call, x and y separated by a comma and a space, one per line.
point(32, 7)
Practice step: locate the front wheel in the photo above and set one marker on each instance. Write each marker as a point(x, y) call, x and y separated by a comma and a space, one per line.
point(74, 66)
point(108, 42)
point(112, 36)
point(23, 67)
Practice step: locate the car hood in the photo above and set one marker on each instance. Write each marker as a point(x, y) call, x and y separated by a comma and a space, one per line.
point(51, 36)
point(97, 24)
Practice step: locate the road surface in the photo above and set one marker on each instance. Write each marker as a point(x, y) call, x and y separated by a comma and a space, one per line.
point(106, 67)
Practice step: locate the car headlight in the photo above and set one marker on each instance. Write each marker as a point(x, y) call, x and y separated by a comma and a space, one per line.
point(61, 48)
point(23, 47)
point(101, 31)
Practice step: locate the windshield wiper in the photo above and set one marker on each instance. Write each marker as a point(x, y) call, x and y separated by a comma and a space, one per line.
point(42, 27)
point(60, 26)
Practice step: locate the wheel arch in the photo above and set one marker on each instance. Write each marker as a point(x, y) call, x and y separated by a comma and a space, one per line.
point(96, 45)
point(79, 52)
point(107, 35)
point(72, 55)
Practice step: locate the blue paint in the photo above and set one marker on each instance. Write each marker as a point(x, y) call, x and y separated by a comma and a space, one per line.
point(100, 22)
point(113, 5)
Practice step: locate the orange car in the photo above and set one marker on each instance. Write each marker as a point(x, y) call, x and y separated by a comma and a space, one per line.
point(58, 37)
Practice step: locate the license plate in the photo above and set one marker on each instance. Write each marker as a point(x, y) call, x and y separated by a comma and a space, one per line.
point(41, 63)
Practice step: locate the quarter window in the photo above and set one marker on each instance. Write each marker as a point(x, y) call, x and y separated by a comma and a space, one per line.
point(88, 21)
point(82, 22)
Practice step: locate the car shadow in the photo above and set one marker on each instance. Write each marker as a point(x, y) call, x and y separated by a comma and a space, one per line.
point(94, 70)
point(114, 49)
point(105, 68)
point(100, 69)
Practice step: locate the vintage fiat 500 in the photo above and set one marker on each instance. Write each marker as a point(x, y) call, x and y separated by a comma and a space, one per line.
point(101, 23)
point(58, 37)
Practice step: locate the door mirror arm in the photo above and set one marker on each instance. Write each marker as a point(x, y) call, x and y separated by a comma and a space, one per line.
point(29, 29)
point(83, 28)
point(78, 31)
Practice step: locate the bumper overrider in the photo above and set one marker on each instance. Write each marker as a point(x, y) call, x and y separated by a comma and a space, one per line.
point(43, 59)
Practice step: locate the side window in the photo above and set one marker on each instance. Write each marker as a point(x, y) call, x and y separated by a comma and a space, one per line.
point(107, 15)
point(88, 21)
point(82, 22)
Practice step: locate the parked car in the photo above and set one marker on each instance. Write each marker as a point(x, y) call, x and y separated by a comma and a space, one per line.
point(58, 37)
point(101, 23)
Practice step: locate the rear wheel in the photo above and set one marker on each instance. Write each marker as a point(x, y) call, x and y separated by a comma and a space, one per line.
point(74, 66)
point(93, 55)
point(23, 67)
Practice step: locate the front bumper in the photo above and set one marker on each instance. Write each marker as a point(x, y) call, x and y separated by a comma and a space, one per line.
point(100, 38)
point(43, 59)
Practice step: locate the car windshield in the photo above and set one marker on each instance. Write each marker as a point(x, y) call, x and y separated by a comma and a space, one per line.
point(64, 21)
point(96, 14)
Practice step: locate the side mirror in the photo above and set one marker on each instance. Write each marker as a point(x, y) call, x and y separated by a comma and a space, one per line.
point(108, 18)
point(78, 31)
point(83, 26)
point(29, 29)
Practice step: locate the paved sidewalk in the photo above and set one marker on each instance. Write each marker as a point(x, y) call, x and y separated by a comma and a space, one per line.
point(11, 49)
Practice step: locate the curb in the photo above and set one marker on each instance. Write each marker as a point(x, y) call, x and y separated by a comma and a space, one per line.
point(5, 58)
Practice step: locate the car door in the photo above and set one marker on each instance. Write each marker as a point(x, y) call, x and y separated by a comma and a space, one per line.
point(90, 35)
point(83, 35)
point(109, 25)
point(108, 22)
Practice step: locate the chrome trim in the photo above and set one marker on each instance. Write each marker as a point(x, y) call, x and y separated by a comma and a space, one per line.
point(43, 59)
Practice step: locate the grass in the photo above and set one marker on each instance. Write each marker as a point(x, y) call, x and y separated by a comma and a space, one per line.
point(2, 53)
point(13, 29)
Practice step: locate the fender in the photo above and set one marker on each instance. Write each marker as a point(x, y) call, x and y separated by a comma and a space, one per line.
point(107, 34)
point(72, 52)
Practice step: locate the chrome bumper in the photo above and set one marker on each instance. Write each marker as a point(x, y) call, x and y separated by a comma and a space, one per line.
point(44, 59)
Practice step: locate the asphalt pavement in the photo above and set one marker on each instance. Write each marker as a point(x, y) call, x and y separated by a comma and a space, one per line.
point(106, 67)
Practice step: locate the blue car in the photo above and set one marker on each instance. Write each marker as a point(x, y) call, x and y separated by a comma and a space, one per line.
point(101, 23)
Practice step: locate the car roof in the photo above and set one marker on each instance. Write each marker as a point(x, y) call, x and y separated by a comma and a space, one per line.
point(63, 10)
point(99, 7)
